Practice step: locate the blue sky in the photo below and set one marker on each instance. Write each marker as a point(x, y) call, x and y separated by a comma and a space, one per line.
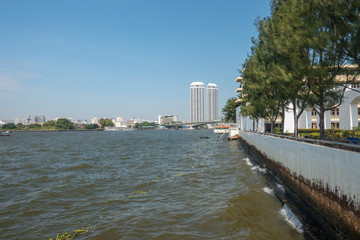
point(128, 58)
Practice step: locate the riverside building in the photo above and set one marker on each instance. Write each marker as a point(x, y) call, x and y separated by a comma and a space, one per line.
point(197, 90)
point(212, 101)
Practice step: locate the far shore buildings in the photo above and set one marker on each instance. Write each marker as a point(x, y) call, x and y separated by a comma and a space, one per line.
point(197, 102)
point(39, 119)
point(346, 116)
point(167, 119)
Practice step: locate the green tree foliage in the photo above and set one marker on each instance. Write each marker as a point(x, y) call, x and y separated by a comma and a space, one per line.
point(34, 126)
point(105, 122)
point(145, 125)
point(64, 124)
point(49, 125)
point(90, 126)
point(288, 31)
point(297, 56)
point(9, 126)
point(229, 110)
point(345, 14)
point(326, 59)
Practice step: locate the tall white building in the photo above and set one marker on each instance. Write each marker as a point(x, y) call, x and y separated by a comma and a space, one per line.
point(197, 97)
point(212, 101)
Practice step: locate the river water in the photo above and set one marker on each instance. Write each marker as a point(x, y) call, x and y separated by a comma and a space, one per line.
point(134, 185)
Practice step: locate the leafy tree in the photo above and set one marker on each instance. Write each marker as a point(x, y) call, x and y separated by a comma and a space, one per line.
point(64, 124)
point(326, 59)
point(49, 124)
point(297, 56)
point(288, 35)
point(33, 126)
point(9, 126)
point(144, 124)
point(264, 89)
point(105, 122)
point(90, 126)
point(229, 110)
point(345, 14)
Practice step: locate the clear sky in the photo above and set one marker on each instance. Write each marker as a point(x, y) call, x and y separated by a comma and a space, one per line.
point(128, 58)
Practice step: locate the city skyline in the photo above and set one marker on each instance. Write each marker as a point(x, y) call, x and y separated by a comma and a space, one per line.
point(136, 59)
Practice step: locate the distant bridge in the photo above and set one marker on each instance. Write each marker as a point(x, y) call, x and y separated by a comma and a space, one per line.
point(191, 124)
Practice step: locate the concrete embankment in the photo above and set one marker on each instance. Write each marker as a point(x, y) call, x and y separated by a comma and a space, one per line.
point(326, 179)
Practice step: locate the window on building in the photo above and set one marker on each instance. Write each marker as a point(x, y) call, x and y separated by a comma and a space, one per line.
point(359, 111)
point(313, 113)
point(335, 112)
point(335, 125)
point(314, 125)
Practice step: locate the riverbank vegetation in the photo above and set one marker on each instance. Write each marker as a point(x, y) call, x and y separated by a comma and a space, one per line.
point(339, 135)
point(145, 125)
point(296, 59)
point(59, 125)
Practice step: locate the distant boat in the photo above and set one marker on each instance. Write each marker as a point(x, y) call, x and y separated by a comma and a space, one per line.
point(7, 133)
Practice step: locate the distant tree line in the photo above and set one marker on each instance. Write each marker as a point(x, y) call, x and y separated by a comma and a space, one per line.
point(60, 124)
point(145, 125)
point(294, 60)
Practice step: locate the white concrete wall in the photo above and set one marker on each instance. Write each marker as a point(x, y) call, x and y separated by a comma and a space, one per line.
point(335, 167)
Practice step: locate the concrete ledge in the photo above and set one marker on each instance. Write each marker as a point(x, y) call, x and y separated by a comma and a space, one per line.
point(326, 179)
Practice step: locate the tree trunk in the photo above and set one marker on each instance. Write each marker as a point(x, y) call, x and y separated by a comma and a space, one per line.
point(295, 118)
point(272, 122)
point(322, 123)
point(282, 120)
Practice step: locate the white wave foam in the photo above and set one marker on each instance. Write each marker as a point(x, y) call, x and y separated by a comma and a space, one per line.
point(247, 160)
point(269, 191)
point(290, 217)
point(280, 188)
point(259, 169)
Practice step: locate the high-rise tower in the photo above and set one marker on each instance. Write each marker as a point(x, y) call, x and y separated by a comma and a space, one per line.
point(212, 101)
point(197, 90)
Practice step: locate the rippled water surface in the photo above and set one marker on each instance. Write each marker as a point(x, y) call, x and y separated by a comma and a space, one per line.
point(133, 185)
